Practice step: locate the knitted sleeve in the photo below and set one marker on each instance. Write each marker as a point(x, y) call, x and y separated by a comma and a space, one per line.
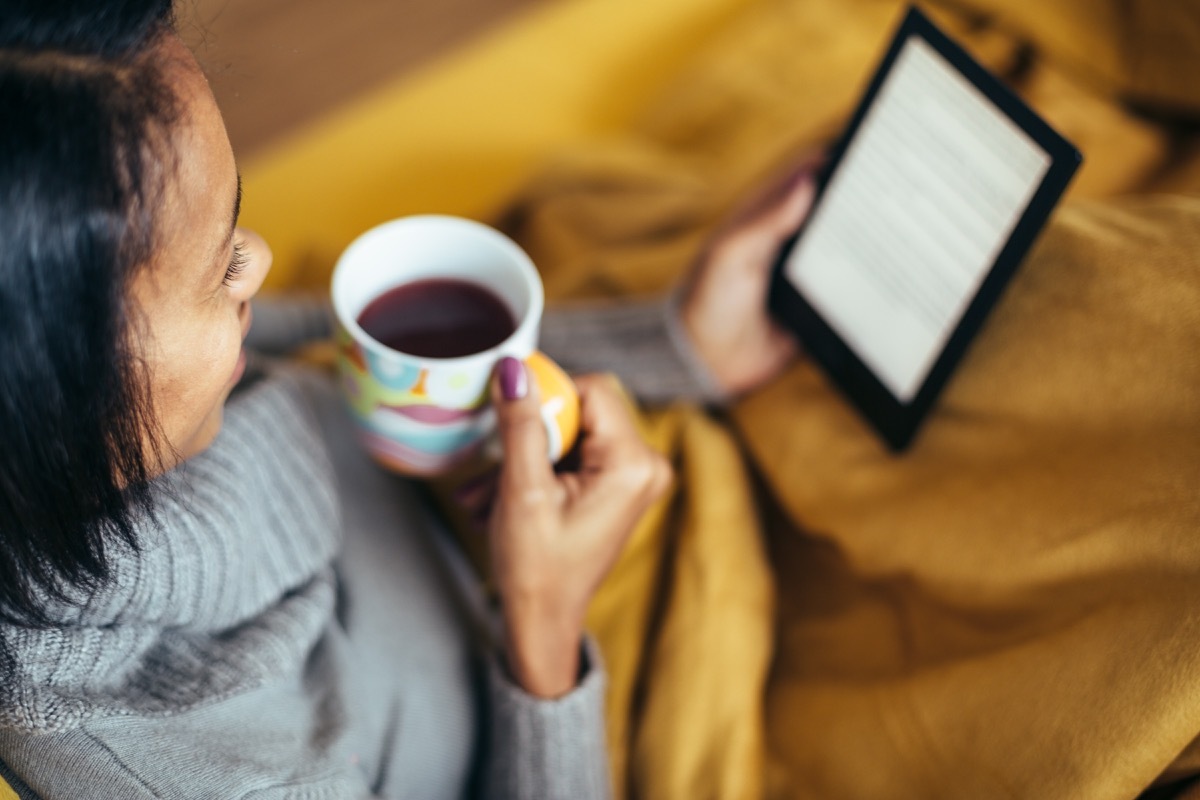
point(641, 341)
point(547, 749)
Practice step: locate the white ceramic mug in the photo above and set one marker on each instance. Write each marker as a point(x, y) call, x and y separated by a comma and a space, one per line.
point(424, 416)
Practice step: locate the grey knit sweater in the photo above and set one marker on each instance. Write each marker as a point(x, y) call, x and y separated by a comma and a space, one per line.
point(297, 625)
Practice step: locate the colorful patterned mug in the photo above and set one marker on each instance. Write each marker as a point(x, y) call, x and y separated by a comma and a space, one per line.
point(424, 416)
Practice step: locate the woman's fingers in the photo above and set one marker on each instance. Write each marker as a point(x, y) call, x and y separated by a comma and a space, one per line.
point(520, 427)
point(604, 410)
point(615, 458)
point(768, 200)
point(794, 207)
point(751, 247)
point(555, 537)
point(723, 308)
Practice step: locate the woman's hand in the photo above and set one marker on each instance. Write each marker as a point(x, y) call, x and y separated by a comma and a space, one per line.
point(554, 536)
point(724, 308)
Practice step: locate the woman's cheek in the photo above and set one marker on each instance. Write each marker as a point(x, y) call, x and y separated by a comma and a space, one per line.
point(209, 363)
point(227, 355)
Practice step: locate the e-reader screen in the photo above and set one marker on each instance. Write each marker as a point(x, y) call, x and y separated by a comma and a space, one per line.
point(922, 200)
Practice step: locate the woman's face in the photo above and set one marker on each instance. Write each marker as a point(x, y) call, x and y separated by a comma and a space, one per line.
point(194, 296)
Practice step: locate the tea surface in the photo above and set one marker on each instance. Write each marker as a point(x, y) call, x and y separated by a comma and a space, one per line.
point(438, 318)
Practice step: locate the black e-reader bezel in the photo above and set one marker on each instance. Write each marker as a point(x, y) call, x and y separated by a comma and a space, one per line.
point(897, 421)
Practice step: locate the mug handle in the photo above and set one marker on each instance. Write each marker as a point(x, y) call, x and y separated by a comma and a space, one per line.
point(560, 403)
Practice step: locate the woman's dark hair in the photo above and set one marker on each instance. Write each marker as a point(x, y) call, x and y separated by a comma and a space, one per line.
point(83, 152)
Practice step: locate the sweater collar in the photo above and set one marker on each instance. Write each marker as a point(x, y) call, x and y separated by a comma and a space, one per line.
point(233, 580)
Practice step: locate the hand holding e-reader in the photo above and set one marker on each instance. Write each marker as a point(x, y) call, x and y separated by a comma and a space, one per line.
point(927, 205)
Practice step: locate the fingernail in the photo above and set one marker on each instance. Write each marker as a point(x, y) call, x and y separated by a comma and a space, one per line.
point(513, 383)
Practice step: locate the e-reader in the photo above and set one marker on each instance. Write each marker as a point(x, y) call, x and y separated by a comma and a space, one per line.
point(927, 204)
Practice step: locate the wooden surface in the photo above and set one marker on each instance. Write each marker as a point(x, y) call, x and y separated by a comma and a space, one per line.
point(275, 64)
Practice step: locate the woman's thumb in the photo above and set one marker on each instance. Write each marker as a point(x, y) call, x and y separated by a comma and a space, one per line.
point(519, 421)
point(794, 204)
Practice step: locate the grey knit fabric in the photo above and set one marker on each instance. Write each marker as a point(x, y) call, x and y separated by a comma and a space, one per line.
point(251, 650)
point(244, 550)
point(641, 341)
point(293, 627)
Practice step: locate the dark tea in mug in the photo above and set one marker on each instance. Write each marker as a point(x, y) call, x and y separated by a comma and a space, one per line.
point(438, 318)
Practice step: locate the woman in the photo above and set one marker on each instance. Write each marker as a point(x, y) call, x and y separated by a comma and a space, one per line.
point(206, 590)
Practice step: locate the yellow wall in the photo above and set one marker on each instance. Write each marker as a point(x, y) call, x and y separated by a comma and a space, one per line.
point(459, 136)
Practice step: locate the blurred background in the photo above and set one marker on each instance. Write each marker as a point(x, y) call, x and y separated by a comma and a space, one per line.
point(325, 53)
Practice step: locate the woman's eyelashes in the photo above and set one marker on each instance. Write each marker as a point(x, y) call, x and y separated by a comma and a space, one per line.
point(236, 264)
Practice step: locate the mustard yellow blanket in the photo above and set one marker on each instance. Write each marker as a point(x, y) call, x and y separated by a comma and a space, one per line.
point(1011, 609)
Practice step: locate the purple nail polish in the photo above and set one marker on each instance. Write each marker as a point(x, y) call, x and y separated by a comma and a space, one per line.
point(513, 382)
